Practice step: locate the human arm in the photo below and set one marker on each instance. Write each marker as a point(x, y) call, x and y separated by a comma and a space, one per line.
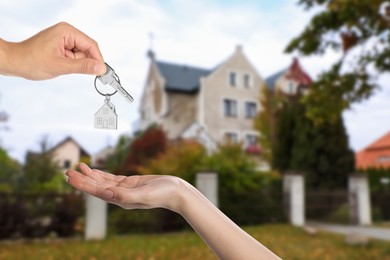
point(221, 234)
point(57, 50)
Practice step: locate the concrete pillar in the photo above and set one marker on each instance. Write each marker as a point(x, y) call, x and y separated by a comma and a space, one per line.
point(359, 200)
point(207, 184)
point(294, 196)
point(96, 218)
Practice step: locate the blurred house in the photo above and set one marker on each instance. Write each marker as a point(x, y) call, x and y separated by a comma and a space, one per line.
point(68, 152)
point(208, 105)
point(292, 81)
point(375, 155)
point(99, 160)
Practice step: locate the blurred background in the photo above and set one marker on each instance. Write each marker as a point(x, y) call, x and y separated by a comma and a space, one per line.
point(254, 93)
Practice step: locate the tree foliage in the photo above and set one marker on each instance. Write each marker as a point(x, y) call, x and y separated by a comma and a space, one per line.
point(41, 172)
point(9, 171)
point(146, 146)
point(265, 121)
point(321, 152)
point(360, 31)
point(116, 162)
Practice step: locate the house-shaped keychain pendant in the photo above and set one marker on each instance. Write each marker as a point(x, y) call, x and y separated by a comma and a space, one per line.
point(105, 117)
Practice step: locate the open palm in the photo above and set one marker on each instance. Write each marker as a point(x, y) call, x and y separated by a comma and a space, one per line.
point(129, 192)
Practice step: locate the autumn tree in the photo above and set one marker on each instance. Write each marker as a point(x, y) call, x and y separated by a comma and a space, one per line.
point(360, 31)
point(146, 146)
point(265, 121)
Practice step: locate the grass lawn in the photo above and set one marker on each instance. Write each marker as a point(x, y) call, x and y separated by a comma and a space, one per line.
point(286, 241)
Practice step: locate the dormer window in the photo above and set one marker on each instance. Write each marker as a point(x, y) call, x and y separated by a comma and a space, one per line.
point(232, 79)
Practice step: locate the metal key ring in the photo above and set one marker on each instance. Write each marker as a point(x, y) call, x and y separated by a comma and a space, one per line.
point(101, 92)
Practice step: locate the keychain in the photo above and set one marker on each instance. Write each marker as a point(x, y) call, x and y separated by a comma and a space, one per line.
point(106, 117)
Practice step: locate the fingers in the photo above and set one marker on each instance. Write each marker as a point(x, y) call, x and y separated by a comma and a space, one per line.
point(75, 39)
point(82, 66)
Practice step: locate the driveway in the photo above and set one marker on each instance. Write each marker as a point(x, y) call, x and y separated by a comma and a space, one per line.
point(372, 232)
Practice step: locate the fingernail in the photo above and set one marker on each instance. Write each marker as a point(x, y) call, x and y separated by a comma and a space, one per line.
point(100, 69)
point(108, 194)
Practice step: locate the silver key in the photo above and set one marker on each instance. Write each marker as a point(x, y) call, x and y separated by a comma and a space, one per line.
point(112, 79)
point(106, 117)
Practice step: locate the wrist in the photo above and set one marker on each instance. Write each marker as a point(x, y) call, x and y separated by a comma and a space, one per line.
point(4, 46)
point(8, 54)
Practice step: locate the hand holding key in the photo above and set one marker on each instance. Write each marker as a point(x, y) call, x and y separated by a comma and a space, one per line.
point(106, 117)
point(57, 50)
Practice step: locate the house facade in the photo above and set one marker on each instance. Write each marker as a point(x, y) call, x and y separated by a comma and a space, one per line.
point(67, 153)
point(209, 105)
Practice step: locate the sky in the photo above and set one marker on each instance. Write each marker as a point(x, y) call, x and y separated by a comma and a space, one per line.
point(201, 33)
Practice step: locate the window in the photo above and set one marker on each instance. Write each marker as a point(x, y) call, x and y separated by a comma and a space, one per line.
point(111, 121)
point(250, 139)
point(99, 120)
point(250, 109)
point(232, 79)
point(291, 88)
point(230, 107)
point(231, 137)
point(67, 164)
point(383, 158)
point(105, 110)
point(247, 80)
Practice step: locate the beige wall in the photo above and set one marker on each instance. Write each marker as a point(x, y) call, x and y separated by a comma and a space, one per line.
point(67, 151)
point(216, 87)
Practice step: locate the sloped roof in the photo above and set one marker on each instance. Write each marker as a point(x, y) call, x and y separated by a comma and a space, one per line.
point(271, 80)
point(181, 78)
point(375, 155)
point(294, 72)
point(69, 138)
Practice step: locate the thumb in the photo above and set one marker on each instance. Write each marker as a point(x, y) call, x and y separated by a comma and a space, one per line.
point(86, 66)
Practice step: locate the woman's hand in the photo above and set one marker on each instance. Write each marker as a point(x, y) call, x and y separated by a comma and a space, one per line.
point(129, 192)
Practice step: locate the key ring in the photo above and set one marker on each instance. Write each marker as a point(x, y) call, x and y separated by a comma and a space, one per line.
point(107, 94)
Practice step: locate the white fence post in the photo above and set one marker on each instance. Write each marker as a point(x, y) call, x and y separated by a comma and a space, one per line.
point(359, 199)
point(96, 218)
point(207, 184)
point(294, 195)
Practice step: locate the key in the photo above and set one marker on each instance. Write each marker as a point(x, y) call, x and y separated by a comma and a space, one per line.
point(106, 117)
point(112, 79)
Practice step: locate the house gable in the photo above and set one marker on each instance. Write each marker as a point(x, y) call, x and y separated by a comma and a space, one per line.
point(226, 94)
point(68, 152)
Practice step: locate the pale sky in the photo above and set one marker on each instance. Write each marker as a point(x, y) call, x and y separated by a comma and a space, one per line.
point(201, 33)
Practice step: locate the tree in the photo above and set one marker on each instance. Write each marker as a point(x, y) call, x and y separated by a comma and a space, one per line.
point(41, 172)
point(360, 31)
point(9, 172)
point(183, 158)
point(116, 162)
point(146, 146)
point(321, 151)
point(265, 122)
point(284, 141)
